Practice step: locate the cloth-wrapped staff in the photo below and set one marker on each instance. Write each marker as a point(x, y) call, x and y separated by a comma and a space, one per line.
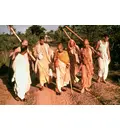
point(80, 38)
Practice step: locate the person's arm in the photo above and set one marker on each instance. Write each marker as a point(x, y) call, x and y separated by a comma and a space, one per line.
point(68, 62)
point(51, 53)
point(55, 55)
point(56, 58)
point(81, 59)
point(35, 51)
point(29, 53)
point(98, 45)
point(108, 51)
point(15, 52)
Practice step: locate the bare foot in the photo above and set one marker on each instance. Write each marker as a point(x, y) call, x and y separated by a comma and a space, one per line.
point(98, 80)
point(57, 91)
point(27, 94)
point(17, 98)
point(63, 89)
point(83, 90)
point(87, 89)
point(41, 88)
point(104, 81)
point(24, 100)
point(46, 85)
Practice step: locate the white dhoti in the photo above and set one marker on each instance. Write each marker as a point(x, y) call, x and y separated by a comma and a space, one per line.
point(62, 75)
point(21, 76)
point(103, 67)
point(104, 61)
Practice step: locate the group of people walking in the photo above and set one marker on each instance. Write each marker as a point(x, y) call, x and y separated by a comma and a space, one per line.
point(62, 64)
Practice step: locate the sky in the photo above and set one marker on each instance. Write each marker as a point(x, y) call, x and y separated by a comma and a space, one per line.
point(22, 28)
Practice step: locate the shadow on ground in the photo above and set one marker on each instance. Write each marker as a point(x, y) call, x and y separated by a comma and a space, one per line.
point(6, 75)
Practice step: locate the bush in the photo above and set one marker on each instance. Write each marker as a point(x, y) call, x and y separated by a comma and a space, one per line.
point(4, 58)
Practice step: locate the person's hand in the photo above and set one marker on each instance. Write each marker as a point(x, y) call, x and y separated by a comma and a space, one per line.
point(109, 59)
point(80, 67)
point(68, 65)
point(13, 56)
point(99, 54)
point(56, 63)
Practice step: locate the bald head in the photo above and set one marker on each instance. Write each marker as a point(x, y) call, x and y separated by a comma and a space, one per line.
point(72, 43)
point(60, 47)
point(86, 43)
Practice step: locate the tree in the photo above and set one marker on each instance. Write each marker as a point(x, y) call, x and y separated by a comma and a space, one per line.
point(19, 33)
point(51, 33)
point(35, 30)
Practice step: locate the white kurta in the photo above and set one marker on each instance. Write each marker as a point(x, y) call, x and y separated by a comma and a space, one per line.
point(21, 75)
point(104, 61)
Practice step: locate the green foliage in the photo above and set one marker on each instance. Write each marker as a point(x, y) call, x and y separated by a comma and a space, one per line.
point(32, 40)
point(35, 30)
point(7, 42)
point(4, 58)
point(92, 32)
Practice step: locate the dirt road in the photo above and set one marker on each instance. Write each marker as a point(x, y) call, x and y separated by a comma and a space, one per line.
point(100, 94)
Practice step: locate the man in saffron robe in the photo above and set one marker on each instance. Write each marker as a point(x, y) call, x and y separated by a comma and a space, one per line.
point(62, 65)
point(73, 51)
point(86, 66)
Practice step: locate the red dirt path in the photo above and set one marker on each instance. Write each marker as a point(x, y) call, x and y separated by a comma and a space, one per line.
point(100, 94)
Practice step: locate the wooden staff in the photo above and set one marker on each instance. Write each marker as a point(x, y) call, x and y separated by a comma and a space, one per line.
point(80, 39)
point(74, 33)
point(70, 76)
point(12, 30)
point(66, 34)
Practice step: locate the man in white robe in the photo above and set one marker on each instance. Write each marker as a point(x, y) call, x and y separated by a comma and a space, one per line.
point(21, 75)
point(104, 59)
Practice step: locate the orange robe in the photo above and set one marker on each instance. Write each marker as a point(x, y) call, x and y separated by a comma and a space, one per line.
point(87, 67)
point(74, 62)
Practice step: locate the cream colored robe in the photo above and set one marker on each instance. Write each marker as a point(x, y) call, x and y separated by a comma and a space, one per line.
point(42, 64)
point(62, 74)
point(21, 75)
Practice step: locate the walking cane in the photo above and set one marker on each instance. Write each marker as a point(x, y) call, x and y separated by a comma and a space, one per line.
point(11, 29)
point(70, 75)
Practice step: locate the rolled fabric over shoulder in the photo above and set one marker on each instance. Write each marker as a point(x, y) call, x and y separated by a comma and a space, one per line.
point(50, 72)
point(40, 56)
